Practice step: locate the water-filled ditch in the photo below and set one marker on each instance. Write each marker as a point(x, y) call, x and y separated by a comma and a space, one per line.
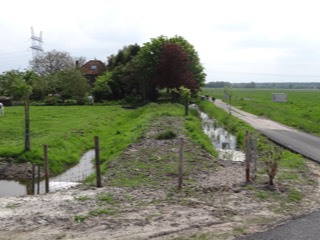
point(69, 178)
point(223, 141)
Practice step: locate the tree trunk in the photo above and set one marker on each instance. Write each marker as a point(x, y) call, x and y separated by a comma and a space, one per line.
point(186, 107)
point(271, 183)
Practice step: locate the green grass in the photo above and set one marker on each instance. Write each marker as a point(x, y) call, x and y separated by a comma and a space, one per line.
point(69, 131)
point(302, 111)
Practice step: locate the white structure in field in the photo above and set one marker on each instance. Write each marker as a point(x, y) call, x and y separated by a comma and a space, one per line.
point(36, 44)
point(279, 97)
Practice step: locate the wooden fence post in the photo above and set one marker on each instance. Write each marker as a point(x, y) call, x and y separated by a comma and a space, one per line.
point(46, 168)
point(33, 179)
point(248, 156)
point(97, 153)
point(181, 161)
point(38, 180)
point(255, 155)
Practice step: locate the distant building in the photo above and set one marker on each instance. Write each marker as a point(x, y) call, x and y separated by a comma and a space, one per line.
point(92, 69)
point(279, 97)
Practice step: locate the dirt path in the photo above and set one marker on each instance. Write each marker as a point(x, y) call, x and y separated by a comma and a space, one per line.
point(214, 202)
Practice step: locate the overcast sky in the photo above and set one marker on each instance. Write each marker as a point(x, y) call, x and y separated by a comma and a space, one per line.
point(237, 40)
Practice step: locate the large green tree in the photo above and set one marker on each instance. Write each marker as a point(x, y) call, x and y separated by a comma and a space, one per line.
point(119, 83)
point(123, 56)
point(18, 85)
point(101, 89)
point(73, 85)
point(153, 67)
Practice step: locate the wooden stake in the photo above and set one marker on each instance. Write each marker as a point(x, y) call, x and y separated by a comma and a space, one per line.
point(97, 153)
point(247, 146)
point(46, 168)
point(33, 179)
point(38, 180)
point(181, 161)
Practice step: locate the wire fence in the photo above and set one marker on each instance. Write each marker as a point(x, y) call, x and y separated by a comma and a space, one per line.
point(42, 183)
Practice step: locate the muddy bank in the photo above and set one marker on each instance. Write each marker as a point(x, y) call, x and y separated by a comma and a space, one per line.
point(13, 171)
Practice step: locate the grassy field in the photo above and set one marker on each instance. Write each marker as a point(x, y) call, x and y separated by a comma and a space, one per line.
point(302, 111)
point(69, 131)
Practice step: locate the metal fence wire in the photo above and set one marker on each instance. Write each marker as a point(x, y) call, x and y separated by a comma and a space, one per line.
point(41, 183)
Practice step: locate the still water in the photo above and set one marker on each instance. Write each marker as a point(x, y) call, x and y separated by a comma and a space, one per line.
point(71, 177)
point(223, 141)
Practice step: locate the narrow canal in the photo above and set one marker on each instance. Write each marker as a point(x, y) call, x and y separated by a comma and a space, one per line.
point(71, 177)
point(223, 141)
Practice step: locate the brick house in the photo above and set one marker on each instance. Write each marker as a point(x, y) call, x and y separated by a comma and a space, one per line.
point(92, 69)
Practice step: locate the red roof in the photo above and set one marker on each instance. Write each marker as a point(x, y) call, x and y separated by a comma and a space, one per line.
point(93, 67)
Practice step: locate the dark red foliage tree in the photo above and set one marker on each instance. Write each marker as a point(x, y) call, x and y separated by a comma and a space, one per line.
point(174, 69)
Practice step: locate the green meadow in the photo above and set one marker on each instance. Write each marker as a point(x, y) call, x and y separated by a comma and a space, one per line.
point(69, 131)
point(302, 111)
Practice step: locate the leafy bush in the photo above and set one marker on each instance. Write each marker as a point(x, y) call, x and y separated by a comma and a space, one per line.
point(50, 100)
point(166, 135)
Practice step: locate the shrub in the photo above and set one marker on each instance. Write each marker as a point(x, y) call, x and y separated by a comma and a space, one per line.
point(50, 100)
point(166, 135)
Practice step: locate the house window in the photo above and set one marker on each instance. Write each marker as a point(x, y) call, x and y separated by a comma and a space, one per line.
point(93, 67)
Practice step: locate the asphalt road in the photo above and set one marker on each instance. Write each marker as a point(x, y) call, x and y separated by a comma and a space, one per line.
point(305, 227)
point(302, 228)
point(300, 142)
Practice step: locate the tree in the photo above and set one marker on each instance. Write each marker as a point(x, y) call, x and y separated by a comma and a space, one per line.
point(123, 56)
point(73, 85)
point(218, 84)
point(120, 82)
point(19, 86)
point(154, 58)
point(185, 95)
point(14, 83)
point(173, 69)
point(40, 88)
point(161, 63)
point(196, 67)
point(8, 82)
point(101, 89)
point(52, 62)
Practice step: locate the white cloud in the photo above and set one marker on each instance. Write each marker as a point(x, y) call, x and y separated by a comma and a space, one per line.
point(236, 40)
